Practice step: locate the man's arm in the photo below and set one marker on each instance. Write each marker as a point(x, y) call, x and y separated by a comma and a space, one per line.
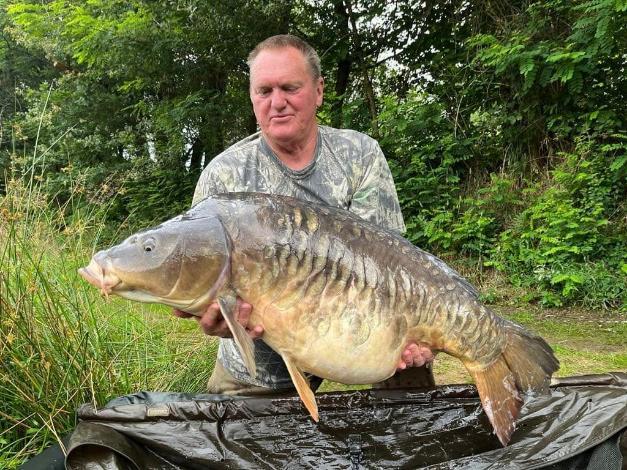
point(210, 182)
point(374, 198)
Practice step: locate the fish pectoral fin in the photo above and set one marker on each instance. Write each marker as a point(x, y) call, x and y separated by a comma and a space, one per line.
point(302, 387)
point(228, 304)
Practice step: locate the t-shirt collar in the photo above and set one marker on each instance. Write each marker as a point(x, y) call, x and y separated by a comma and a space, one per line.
point(296, 174)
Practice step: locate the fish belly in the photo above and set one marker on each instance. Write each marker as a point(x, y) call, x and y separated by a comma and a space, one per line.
point(341, 344)
point(369, 363)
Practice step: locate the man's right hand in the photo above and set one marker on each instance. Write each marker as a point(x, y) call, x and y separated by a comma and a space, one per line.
point(212, 322)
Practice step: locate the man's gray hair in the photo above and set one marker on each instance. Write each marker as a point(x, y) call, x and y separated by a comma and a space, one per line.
point(287, 40)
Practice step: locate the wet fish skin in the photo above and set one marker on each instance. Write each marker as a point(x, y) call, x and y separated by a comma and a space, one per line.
point(337, 297)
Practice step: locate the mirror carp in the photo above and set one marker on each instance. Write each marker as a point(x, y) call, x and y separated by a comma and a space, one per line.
point(338, 297)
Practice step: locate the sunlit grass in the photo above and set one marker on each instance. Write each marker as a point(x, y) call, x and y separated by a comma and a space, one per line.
point(588, 361)
point(61, 344)
point(600, 329)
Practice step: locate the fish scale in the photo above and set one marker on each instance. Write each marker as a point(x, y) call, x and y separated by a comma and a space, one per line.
point(337, 296)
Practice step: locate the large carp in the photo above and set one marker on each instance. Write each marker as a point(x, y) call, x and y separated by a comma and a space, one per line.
point(337, 296)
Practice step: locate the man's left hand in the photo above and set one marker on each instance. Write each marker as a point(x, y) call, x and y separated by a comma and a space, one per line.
point(415, 355)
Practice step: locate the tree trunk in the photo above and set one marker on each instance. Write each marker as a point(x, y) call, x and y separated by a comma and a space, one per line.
point(195, 163)
point(372, 102)
point(344, 65)
point(360, 57)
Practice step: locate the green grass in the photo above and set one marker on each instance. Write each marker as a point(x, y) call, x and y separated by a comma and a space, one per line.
point(62, 344)
point(609, 329)
point(586, 342)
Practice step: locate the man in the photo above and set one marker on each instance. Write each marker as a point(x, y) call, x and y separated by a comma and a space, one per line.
point(292, 155)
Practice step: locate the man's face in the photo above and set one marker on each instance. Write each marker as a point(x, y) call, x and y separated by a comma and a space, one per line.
point(284, 95)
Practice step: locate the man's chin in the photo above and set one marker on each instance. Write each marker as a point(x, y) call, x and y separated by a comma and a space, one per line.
point(283, 134)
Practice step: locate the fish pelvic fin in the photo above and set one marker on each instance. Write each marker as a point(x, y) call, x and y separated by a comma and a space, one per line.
point(228, 304)
point(302, 387)
point(524, 366)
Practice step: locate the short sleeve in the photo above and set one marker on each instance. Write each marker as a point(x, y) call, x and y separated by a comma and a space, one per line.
point(375, 197)
point(219, 176)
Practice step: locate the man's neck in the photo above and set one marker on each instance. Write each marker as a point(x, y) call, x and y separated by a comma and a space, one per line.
point(295, 155)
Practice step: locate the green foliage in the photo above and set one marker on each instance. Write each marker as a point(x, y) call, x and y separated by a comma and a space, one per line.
point(425, 158)
point(570, 241)
point(153, 193)
point(154, 81)
point(560, 70)
point(517, 156)
point(545, 235)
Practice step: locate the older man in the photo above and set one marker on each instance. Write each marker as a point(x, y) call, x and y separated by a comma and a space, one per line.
point(293, 155)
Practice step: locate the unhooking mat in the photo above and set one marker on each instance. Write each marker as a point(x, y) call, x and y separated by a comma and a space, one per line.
point(580, 425)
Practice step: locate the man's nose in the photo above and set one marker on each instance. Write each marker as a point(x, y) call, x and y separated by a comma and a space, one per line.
point(278, 99)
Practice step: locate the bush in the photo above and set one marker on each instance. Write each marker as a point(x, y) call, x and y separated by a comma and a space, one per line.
point(548, 232)
point(426, 159)
point(570, 242)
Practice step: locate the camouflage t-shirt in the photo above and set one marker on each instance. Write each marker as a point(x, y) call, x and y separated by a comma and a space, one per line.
point(348, 171)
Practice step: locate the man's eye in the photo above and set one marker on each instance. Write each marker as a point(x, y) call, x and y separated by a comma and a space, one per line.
point(263, 91)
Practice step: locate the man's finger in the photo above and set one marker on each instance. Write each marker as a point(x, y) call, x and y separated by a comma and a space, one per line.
point(424, 353)
point(245, 309)
point(181, 314)
point(212, 315)
point(407, 357)
point(212, 322)
point(256, 332)
point(415, 355)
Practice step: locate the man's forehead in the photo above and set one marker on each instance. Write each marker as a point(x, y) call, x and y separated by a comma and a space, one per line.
point(285, 63)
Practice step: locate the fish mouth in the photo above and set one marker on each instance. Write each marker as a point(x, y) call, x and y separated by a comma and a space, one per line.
point(108, 283)
point(99, 277)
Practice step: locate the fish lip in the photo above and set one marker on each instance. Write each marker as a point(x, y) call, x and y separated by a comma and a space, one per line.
point(99, 277)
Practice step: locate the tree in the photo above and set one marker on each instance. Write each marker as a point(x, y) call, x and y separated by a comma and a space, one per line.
point(142, 83)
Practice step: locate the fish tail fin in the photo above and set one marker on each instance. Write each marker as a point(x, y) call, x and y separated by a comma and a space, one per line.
point(530, 358)
point(500, 398)
point(525, 365)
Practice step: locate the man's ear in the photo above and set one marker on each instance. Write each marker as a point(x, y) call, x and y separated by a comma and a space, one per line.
point(320, 91)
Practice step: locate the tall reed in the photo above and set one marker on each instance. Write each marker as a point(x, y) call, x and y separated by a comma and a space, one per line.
point(61, 344)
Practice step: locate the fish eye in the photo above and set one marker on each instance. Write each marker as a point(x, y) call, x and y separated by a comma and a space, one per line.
point(149, 245)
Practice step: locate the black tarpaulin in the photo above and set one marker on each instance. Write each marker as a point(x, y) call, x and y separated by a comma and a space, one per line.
point(579, 425)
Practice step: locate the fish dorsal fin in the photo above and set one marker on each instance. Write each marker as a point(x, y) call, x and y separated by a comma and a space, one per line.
point(228, 304)
point(302, 387)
